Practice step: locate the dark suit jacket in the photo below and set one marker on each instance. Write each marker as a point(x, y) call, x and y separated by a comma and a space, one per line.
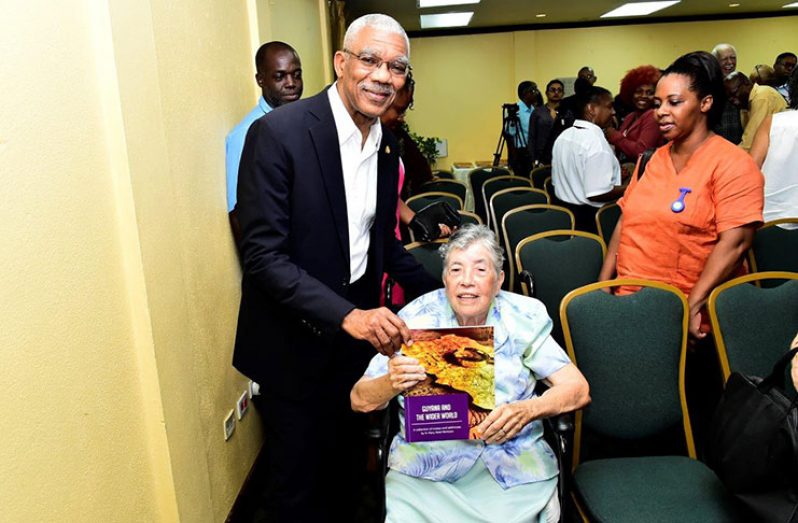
point(295, 247)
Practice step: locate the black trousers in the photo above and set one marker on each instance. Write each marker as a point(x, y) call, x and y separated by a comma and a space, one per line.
point(315, 446)
point(520, 162)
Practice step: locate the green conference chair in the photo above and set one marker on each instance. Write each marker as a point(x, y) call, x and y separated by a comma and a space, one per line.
point(447, 186)
point(635, 367)
point(606, 219)
point(548, 186)
point(426, 253)
point(538, 175)
point(775, 248)
point(419, 201)
point(525, 221)
point(511, 198)
point(754, 326)
point(469, 217)
point(494, 185)
point(477, 178)
point(553, 263)
point(442, 174)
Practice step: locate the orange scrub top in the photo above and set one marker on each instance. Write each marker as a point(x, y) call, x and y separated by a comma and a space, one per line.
point(656, 243)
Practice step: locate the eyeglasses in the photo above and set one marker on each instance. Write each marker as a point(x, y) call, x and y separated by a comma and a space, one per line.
point(371, 62)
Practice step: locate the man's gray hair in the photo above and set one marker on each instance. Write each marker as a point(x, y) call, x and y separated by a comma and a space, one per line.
point(722, 47)
point(466, 236)
point(375, 21)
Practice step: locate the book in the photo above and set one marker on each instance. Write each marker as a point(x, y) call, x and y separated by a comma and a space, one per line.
point(459, 391)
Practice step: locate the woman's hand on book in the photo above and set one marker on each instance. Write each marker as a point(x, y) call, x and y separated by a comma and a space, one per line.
point(505, 422)
point(404, 373)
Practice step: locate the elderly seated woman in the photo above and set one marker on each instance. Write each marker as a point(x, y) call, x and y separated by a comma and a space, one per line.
point(510, 474)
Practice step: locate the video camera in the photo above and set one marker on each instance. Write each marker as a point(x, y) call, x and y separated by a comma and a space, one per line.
point(511, 109)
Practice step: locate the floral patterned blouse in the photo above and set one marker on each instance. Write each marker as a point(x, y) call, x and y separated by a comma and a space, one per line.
point(524, 353)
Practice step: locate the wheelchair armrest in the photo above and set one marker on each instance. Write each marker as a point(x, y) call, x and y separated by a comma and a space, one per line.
point(563, 424)
point(562, 429)
point(526, 277)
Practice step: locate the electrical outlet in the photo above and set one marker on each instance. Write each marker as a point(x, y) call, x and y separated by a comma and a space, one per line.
point(254, 389)
point(242, 405)
point(229, 425)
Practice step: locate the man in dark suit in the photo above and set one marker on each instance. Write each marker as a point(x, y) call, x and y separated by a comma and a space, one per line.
point(317, 199)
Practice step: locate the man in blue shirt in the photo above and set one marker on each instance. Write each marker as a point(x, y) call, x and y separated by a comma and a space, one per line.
point(279, 75)
point(518, 129)
point(783, 67)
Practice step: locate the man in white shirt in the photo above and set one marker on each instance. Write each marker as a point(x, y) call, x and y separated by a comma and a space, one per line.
point(317, 197)
point(584, 170)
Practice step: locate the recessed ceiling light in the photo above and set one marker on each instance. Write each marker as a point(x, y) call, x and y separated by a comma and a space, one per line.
point(734, 5)
point(446, 20)
point(422, 4)
point(638, 9)
point(794, 4)
point(540, 15)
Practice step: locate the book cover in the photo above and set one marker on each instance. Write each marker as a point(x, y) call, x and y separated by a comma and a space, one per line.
point(459, 390)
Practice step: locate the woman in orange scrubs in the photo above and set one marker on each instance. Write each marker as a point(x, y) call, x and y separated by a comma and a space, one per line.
point(692, 215)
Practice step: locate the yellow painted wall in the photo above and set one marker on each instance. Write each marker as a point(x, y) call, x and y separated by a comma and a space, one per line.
point(463, 80)
point(80, 410)
point(121, 283)
point(180, 71)
point(461, 83)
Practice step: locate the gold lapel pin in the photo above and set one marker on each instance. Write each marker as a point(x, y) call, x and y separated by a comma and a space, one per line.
point(387, 149)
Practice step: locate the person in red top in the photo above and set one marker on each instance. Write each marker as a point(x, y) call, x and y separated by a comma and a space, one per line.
point(639, 130)
point(692, 215)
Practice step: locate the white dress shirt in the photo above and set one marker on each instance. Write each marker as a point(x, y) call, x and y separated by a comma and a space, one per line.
point(781, 169)
point(583, 164)
point(359, 165)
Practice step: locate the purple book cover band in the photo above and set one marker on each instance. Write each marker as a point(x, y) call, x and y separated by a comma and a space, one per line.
point(459, 391)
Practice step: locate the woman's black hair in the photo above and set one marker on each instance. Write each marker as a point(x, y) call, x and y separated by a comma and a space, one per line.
point(706, 79)
point(792, 89)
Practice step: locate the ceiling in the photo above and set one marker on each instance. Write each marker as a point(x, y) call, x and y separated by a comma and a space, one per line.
point(502, 14)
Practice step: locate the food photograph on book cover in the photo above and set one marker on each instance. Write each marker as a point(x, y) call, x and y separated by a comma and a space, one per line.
point(459, 391)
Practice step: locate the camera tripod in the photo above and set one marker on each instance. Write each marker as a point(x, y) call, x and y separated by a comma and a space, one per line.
point(511, 126)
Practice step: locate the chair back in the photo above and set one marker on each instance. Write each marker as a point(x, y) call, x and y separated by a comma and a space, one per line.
point(548, 186)
point(631, 349)
point(753, 326)
point(508, 199)
point(442, 174)
point(538, 175)
point(559, 262)
point(428, 255)
point(775, 248)
point(494, 185)
point(477, 178)
point(419, 201)
point(606, 220)
point(525, 221)
point(447, 186)
point(469, 218)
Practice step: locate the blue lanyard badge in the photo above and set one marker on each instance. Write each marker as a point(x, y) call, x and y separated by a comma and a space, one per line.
point(678, 205)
